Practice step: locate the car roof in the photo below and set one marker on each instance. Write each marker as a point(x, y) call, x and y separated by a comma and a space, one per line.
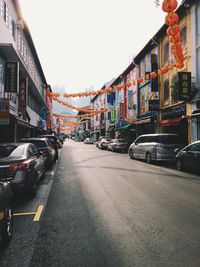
point(159, 134)
point(34, 138)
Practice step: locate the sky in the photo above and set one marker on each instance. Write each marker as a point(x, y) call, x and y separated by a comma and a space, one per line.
point(83, 44)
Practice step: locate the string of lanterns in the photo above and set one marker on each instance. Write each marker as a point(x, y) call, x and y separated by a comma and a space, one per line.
point(173, 31)
point(68, 123)
point(91, 114)
point(174, 37)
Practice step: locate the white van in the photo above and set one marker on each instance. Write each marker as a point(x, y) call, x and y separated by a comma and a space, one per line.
point(155, 147)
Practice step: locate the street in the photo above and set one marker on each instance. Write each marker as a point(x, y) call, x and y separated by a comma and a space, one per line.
point(103, 209)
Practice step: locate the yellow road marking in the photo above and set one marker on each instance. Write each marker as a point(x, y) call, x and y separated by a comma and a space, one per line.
point(24, 213)
point(38, 213)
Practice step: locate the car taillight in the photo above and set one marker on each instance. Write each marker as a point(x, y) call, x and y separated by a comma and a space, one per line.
point(12, 168)
point(24, 166)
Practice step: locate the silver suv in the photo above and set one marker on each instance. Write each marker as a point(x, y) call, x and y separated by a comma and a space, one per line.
point(155, 147)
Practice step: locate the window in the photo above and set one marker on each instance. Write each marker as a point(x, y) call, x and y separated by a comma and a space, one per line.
point(1, 72)
point(2, 8)
point(194, 147)
point(166, 90)
point(4, 11)
point(13, 30)
point(165, 52)
point(184, 36)
point(7, 17)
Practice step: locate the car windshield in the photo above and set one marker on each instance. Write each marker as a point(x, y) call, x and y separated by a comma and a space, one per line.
point(168, 139)
point(11, 151)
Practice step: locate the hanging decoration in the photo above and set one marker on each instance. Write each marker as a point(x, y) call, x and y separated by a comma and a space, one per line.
point(74, 122)
point(173, 31)
point(91, 114)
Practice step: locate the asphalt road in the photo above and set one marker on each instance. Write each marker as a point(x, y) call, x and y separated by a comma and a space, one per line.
point(105, 209)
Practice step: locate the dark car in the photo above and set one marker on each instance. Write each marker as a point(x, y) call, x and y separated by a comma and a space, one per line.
point(6, 213)
point(118, 145)
point(189, 158)
point(45, 147)
point(54, 142)
point(22, 165)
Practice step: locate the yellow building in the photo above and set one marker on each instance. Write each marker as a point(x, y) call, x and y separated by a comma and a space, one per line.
point(173, 110)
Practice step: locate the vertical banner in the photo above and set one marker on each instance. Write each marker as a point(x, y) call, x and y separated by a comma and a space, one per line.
point(11, 77)
point(130, 99)
point(4, 111)
point(23, 93)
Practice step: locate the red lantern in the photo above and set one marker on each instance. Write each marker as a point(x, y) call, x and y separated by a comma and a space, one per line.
point(169, 5)
point(171, 19)
point(139, 80)
point(173, 30)
point(177, 38)
point(165, 70)
point(153, 75)
point(128, 84)
point(119, 87)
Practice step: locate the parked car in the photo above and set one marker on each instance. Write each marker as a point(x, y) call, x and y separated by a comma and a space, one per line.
point(189, 157)
point(103, 143)
point(88, 141)
point(118, 145)
point(53, 140)
point(6, 212)
point(155, 147)
point(99, 139)
point(45, 147)
point(22, 165)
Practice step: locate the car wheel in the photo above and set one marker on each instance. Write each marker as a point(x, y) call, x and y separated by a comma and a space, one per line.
point(8, 225)
point(131, 154)
point(148, 158)
point(179, 165)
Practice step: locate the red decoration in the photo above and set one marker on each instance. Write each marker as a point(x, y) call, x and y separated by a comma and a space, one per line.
point(154, 75)
point(169, 5)
point(171, 19)
point(139, 80)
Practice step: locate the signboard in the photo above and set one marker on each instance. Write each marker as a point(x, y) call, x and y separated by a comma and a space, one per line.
point(4, 111)
point(153, 104)
point(112, 115)
point(173, 112)
point(130, 99)
point(184, 84)
point(11, 77)
point(23, 87)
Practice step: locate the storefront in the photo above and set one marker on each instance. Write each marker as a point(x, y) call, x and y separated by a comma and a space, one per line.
point(173, 120)
point(128, 132)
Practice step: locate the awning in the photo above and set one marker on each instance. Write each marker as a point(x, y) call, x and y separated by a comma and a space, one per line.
point(110, 128)
point(196, 113)
point(125, 127)
point(23, 123)
point(143, 121)
point(171, 122)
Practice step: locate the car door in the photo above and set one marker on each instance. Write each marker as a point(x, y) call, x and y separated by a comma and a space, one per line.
point(137, 148)
point(194, 156)
point(35, 163)
point(39, 159)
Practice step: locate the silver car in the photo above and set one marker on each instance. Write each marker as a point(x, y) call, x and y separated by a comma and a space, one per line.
point(155, 147)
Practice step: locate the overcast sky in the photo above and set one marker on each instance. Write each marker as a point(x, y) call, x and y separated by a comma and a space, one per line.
point(84, 43)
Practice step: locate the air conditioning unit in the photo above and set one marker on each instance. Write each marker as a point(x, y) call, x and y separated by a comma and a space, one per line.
point(20, 24)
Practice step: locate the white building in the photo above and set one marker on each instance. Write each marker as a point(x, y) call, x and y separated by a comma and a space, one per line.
point(22, 80)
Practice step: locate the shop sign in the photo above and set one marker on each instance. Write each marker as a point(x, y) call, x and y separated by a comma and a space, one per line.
point(23, 87)
point(130, 99)
point(112, 115)
point(4, 111)
point(184, 84)
point(173, 112)
point(154, 104)
point(11, 77)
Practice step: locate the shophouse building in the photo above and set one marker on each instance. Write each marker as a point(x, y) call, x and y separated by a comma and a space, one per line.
point(174, 107)
point(195, 58)
point(22, 81)
point(147, 90)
